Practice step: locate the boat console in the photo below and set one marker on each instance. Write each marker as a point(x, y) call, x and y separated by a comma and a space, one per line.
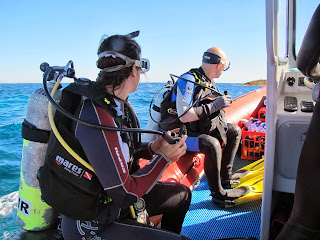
point(294, 112)
point(292, 148)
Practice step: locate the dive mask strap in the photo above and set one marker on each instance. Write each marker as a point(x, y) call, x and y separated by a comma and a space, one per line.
point(143, 63)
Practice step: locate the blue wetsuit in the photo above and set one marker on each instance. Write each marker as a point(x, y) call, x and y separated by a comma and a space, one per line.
point(111, 159)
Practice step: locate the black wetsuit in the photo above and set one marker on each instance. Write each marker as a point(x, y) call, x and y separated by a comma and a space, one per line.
point(303, 222)
point(125, 183)
point(217, 165)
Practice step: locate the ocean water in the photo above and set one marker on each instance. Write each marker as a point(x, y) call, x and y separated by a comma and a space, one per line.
point(13, 105)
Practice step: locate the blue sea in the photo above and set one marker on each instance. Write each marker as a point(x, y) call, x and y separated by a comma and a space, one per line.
point(13, 105)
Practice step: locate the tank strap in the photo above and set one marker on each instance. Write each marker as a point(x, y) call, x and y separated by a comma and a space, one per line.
point(156, 108)
point(32, 133)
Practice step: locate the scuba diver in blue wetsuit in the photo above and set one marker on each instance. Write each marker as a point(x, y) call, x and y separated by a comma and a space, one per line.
point(97, 204)
point(196, 102)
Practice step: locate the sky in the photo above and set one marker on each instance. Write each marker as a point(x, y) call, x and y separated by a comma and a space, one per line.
point(173, 35)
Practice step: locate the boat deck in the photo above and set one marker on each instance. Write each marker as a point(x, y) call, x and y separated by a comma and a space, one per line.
point(206, 220)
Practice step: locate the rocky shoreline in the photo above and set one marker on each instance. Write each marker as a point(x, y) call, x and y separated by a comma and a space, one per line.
point(261, 82)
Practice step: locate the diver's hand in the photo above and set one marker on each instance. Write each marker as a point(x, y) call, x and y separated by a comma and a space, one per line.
point(173, 151)
point(155, 145)
point(220, 102)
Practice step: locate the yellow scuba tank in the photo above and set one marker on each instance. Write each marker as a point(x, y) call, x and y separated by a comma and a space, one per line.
point(34, 214)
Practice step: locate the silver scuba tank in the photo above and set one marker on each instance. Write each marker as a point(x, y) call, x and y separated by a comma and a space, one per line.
point(153, 121)
point(34, 214)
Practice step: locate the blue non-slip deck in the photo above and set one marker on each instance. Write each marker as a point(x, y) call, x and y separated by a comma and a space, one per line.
point(205, 220)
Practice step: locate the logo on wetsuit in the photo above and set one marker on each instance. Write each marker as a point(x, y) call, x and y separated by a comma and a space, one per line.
point(120, 160)
point(72, 168)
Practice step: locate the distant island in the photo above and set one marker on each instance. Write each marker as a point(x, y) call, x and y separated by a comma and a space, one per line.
point(256, 83)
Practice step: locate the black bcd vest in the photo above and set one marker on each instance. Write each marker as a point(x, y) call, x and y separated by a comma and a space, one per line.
point(66, 185)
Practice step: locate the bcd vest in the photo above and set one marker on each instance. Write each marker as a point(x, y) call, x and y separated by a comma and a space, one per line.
point(68, 186)
point(214, 125)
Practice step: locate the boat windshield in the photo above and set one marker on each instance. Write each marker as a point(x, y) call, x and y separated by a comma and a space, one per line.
point(290, 34)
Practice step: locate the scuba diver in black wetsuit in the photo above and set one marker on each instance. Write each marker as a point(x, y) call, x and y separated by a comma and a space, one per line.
point(303, 222)
point(201, 110)
point(97, 203)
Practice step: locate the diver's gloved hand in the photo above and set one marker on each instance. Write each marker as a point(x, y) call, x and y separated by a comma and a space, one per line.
point(205, 110)
point(220, 102)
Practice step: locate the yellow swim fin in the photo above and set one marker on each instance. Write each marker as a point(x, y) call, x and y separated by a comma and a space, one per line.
point(253, 190)
point(247, 172)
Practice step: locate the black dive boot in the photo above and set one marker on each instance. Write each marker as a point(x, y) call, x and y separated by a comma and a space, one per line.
point(227, 199)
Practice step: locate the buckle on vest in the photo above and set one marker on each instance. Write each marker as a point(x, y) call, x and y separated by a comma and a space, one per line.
point(172, 111)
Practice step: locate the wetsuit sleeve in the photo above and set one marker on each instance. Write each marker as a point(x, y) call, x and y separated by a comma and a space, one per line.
point(108, 156)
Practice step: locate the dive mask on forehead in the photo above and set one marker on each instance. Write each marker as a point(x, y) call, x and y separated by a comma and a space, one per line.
point(212, 58)
point(143, 63)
